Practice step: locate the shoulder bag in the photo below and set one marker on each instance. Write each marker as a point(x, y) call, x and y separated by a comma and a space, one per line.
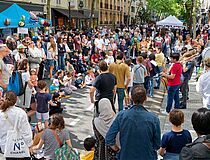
point(64, 152)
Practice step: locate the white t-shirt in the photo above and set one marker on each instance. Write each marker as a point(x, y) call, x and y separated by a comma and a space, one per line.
point(99, 43)
point(19, 57)
point(109, 60)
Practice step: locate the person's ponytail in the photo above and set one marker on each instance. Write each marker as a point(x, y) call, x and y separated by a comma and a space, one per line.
point(10, 100)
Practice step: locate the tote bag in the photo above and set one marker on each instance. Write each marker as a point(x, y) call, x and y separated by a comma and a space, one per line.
point(15, 145)
point(65, 152)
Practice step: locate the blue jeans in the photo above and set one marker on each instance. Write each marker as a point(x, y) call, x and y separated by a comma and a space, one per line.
point(61, 62)
point(158, 78)
point(151, 86)
point(120, 95)
point(173, 94)
point(171, 156)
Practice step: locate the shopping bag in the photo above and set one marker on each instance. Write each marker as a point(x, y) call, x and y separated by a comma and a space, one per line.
point(66, 153)
point(15, 145)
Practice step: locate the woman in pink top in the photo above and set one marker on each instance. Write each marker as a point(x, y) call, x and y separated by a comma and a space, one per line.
point(174, 82)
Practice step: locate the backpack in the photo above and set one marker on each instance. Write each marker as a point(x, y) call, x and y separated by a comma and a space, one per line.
point(16, 83)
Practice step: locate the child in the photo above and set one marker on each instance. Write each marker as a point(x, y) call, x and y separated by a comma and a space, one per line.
point(109, 58)
point(43, 98)
point(89, 78)
point(60, 79)
point(139, 72)
point(79, 83)
point(57, 108)
point(153, 73)
point(34, 78)
point(130, 85)
point(68, 81)
point(173, 141)
point(89, 145)
point(55, 86)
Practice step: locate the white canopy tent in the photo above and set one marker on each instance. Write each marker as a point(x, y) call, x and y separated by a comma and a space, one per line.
point(170, 21)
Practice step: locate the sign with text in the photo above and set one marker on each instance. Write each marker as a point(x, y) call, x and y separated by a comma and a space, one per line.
point(22, 30)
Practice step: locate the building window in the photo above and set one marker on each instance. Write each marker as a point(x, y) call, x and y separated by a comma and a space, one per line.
point(106, 4)
point(132, 9)
point(101, 4)
point(43, 1)
point(58, 1)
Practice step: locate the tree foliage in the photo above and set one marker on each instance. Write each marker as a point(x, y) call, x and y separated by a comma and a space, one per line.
point(165, 7)
point(180, 8)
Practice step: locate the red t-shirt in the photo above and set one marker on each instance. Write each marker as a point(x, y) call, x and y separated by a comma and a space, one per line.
point(176, 69)
point(95, 58)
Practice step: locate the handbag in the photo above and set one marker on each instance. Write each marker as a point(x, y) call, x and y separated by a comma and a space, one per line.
point(15, 145)
point(65, 152)
point(35, 60)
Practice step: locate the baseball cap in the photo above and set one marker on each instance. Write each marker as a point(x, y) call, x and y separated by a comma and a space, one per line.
point(21, 46)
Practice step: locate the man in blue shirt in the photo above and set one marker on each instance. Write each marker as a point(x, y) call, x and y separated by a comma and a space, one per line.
point(139, 130)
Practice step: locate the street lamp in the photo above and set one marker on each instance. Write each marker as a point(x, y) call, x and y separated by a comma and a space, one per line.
point(69, 14)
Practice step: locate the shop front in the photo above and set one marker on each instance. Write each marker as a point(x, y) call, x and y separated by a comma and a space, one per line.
point(38, 9)
point(78, 20)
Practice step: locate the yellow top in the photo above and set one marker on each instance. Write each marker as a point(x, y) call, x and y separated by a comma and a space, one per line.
point(87, 155)
point(120, 70)
point(160, 59)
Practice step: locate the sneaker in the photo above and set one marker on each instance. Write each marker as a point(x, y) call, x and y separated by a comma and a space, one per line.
point(164, 113)
point(183, 106)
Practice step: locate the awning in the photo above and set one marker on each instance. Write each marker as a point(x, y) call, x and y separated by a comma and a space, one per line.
point(27, 6)
point(74, 13)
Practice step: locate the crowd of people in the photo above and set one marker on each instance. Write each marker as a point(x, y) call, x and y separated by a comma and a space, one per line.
point(127, 64)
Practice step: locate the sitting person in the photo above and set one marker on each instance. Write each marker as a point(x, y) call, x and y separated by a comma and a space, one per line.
point(200, 148)
point(79, 83)
point(54, 87)
point(49, 140)
point(60, 79)
point(37, 136)
point(68, 81)
point(176, 139)
point(89, 145)
point(89, 78)
point(56, 100)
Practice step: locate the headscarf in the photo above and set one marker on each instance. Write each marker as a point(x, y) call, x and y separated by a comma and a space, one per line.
point(106, 116)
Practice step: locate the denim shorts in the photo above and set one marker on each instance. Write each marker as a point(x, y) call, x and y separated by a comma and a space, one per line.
point(50, 62)
point(42, 116)
point(171, 156)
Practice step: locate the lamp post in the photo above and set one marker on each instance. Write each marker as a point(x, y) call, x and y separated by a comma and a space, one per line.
point(69, 14)
point(81, 5)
